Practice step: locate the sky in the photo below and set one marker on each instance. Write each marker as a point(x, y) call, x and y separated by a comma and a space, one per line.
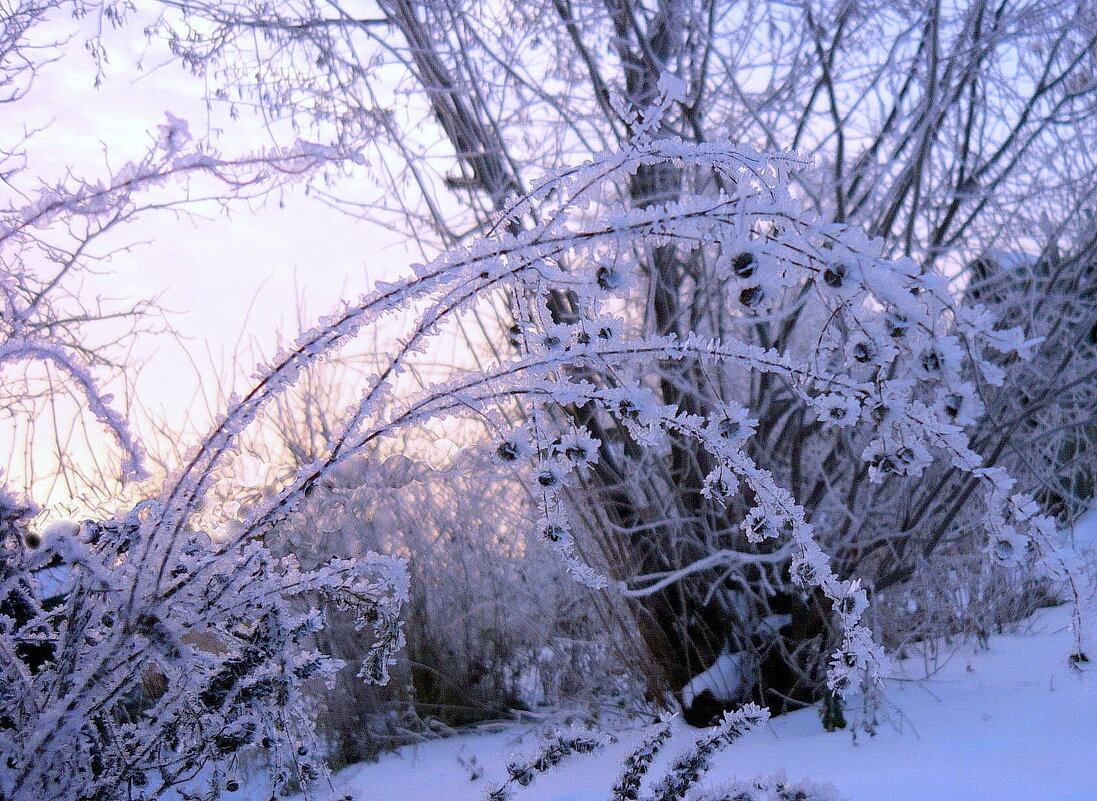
point(228, 283)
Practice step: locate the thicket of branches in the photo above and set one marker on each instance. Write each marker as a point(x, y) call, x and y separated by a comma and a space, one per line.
point(953, 132)
point(494, 625)
point(731, 402)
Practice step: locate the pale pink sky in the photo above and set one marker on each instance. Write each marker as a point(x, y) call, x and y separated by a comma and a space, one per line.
point(225, 280)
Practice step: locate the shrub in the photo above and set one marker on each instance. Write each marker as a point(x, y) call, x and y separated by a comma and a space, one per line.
point(492, 621)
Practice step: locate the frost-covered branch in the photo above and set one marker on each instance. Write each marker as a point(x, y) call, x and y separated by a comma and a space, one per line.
point(553, 750)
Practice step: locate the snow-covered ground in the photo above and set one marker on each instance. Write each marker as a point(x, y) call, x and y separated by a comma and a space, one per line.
point(1010, 723)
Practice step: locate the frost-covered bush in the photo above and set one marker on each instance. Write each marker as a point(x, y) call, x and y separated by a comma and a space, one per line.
point(492, 621)
point(637, 764)
point(888, 386)
point(554, 748)
point(586, 393)
point(1051, 399)
point(494, 625)
point(156, 667)
point(1039, 423)
point(215, 616)
point(943, 129)
point(964, 595)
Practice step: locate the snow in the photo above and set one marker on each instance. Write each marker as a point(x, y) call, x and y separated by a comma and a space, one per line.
point(724, 679)
point(1009, 723)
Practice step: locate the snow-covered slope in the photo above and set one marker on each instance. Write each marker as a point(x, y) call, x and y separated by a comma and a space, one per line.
point(1011, 723)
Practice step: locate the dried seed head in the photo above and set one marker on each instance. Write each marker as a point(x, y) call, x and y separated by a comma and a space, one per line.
point(743, 265)
point(752, 296)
